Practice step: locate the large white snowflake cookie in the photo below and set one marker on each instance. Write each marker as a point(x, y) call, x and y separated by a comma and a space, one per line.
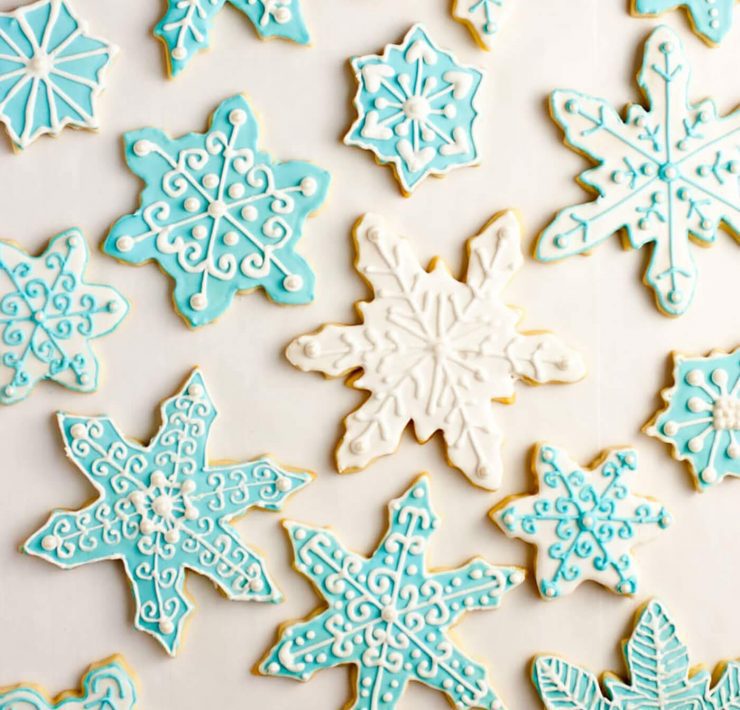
point(434, 350)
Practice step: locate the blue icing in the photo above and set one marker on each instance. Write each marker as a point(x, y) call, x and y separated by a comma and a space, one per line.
point(106, 686)
point(702, 416)
point(186, 25)
point(218, 215)
point(387, 615)
point(660, 675)
point(583, 522)
point(162, 509)
point(711, 19)
point(51, 71)
point(48, 316)
point(416, 108)
point(667, 174)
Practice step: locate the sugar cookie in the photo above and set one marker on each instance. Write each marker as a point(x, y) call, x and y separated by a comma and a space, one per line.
point(482, 17)
point(710, 19)
point(434, 350)
point(387, 615)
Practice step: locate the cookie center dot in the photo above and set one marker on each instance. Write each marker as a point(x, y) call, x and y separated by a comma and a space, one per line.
point(668, 172)
point(726, 413)
point(389, 613)
point(217, 208)
point(417, 108)
point(39, 64)
point(163, 506)
point(586, 521)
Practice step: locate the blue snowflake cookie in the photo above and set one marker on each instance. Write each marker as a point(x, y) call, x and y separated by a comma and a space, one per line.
point(163, 509)
point(669, 174)
point(701, 419)
point(107, 685)
point(584, 522)
point(218, 215)
point(186, 25)
point(660, 675)
point(416, 109)
point(387, 615)
point(48, 316)
point(710, 19)
point(51, 71)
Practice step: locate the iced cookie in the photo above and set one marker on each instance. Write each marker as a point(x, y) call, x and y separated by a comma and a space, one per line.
point(482, 17)
point(583, 521)
point(701, 419)
point(186, 25)
point(49, 315)
point(669, 174)
point(660, 675)
point(387, 615)
point(710, 19)
point(51, 71)
point(416, 109)
point(219, 216)
point(434, 350)
point(108, 685)
point(162, 509)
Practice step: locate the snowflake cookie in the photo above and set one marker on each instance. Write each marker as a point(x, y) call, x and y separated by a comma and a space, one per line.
point(660, 677)
point(218, 215)
point(434, 350)
point(583, 522)
point(701, 419)
point(710, 19)
point(482, 17)
point(186, 24)
point(51, 71)
point(48, 316)
point(108, 685)
point(387, 615)
point(667, 175)
point(416, 109)
point(163, 509)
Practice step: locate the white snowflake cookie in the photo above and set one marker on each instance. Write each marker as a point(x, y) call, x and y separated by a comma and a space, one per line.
point(482, 17)
point(434, 350)
point(416, 109)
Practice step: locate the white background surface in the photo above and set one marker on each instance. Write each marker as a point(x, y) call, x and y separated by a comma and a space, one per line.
point(53, 623)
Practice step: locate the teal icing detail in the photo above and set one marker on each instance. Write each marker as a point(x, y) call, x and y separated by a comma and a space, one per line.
point(219, 216)
point(106, 686)
point(701, 419)
point(666, 174)
point(51, 71)
point(162, 509)
point(387, 615)
point(583, 522)
point(659, 672)
point(483, 18)
point(48, 316)
point(710, 19)
point(186, 25)
point(416, 108)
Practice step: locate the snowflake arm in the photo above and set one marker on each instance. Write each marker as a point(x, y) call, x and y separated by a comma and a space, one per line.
point(483, 18)
point(48, 316)
point(162, 510)
point(433, 350)
point(666, 174)
point(386, 615)
point(416, 109)
point(710, 19)
point(564, 686)
point(107, 685)
point(51, 71)
point(186, 25)
point(701, 419)
point(583, 522)
point(219, 216)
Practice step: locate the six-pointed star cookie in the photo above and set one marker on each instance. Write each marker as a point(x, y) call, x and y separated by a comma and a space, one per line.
point(162, 510)
point(701, 419)
point(416, 109)
point(107, 685)
point(387, 615)
point(584, 521)
point(51, 71)
point(667, 174)
point(434, 350)
point(218, 215)
point(48, 316)
point(710, 19)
